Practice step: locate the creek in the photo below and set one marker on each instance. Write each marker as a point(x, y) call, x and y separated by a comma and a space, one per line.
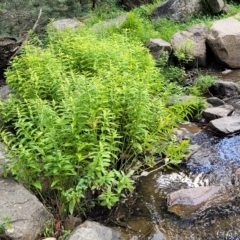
point(145, 216)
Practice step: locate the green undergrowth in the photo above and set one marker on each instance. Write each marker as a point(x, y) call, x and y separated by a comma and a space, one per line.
point(86, 110)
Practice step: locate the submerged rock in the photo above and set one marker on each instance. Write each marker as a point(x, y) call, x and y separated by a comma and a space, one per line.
point(226, 125)
point(188, 203)
point(217, 112)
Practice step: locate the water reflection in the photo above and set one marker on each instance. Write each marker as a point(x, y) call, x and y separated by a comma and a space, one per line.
point(148, 218)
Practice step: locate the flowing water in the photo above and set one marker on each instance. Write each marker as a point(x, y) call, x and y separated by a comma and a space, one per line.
point(145, 217)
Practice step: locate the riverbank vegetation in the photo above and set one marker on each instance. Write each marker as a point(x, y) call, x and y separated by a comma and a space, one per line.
point(90, 109)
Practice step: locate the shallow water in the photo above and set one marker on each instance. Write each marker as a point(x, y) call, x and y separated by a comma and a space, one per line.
point(146, 216)
point(233, 76)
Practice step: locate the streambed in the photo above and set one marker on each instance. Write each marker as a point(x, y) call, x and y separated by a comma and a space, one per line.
point(216, 162)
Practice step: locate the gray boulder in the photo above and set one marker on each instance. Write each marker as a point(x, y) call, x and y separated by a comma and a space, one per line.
point(93, 231)
point(62, 24)
point(223, 39)
point(196, 35)
point(110, 22)
point(224, 89)
point(216, 5)
point(226, 125)
point(217, 112)
point(188, 203)
point(179, 10)
point(157, 47)
point(27, 216)
point(215, 101)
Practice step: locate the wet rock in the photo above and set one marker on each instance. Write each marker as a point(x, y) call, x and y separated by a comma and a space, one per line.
point(157, 46)
point(179, 10)
point(216, 5)
point(183, 134)
point(217, 112)
point(223, 89)
point(226, 125)
point(193, 38)
point(215, 101)
point(223, 39)
point(93, 230)
point(27, 215)
point(62, 24)
point(188, 203)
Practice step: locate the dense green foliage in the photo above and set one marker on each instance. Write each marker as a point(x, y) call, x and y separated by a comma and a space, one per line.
point(85, 108)
point(90, 108)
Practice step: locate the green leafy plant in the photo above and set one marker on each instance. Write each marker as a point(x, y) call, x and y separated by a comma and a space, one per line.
point(84, 108)
point(184, 51)
point(204, 82)
point(4, 225)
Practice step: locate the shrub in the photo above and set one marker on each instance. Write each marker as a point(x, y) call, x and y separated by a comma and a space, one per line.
point(84, 108)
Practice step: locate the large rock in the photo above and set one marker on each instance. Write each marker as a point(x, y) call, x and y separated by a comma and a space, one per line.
point(216, 5)
point(26, 214)
point(196, 35)
point(188, 203)
point(110, 22)
point(223, 89)
point(216, 102)
point(8, 46)
point(157, 47)
point(179, 10)
point(226, 125)
point(224, 38)
point(217, 112)
point(93, 231)
point(62, 24)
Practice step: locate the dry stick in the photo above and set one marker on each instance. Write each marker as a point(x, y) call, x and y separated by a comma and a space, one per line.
point(27, 35)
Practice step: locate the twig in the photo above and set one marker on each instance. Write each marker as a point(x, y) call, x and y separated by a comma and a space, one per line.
point(24, 40)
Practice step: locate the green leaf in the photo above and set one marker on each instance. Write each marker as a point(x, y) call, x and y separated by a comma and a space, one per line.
point(71, 207)
point(37, 185)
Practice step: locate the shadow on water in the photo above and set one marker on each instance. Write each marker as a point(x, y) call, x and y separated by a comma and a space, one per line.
point(145, 215)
